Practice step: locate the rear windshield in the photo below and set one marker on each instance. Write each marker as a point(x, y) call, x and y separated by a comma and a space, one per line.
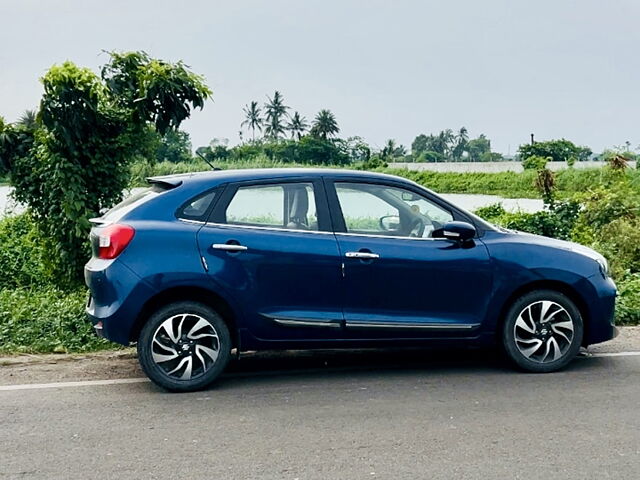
point(137, 197)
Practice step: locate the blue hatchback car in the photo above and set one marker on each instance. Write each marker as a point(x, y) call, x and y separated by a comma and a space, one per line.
point(200, 264)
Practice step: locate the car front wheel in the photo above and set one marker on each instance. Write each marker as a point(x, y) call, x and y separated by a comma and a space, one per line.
point(542, 331)
point(184, 346)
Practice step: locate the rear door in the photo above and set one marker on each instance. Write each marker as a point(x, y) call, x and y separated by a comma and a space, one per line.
point(269, 244)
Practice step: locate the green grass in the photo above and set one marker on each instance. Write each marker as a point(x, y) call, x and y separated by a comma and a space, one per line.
point(46, 320)
point(509, 184)
point(504, 184)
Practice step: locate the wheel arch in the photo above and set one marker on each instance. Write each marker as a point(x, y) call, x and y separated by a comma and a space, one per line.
point(561, 287)
point(188, 293)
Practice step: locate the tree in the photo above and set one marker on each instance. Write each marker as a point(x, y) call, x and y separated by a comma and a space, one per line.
point(252, 118)
point(174, 147)
point(90, 128)
point(275, 110)
point(444, 142)
point(391, 151)
point(28, 120)
point(218, 150)
point(461, 140)
point(559, 150)
point(15, 142)
point(325, 125)
point(274, 128)
point(419, 145)
point(297, 126)
point(478, 148)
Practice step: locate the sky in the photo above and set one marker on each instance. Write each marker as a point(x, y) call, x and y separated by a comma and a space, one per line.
point(387, 69)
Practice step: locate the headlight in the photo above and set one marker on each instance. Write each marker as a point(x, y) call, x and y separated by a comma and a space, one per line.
point(588, 252)
point(604, 266)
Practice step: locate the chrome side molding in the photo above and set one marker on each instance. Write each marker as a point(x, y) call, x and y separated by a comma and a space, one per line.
point(414, 326)
point(303, 322)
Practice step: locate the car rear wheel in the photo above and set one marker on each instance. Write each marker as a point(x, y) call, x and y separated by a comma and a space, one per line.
point(184, 346)
point(542, 331)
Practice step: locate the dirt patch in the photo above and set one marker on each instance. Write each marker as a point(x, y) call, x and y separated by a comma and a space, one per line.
point(61, 368)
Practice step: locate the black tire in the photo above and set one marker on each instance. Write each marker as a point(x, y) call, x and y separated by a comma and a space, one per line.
point(520, 341)
point(185, 315)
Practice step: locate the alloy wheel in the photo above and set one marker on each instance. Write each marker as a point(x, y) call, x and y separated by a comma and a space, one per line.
point(543, 331)
point(185, 346)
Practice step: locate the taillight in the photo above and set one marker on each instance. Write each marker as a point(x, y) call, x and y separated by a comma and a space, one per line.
point(113, 240)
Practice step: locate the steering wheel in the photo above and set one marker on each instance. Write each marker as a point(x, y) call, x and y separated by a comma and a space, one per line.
point(417, 227)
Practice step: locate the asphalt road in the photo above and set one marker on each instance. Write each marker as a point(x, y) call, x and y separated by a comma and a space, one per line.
point(338, 416)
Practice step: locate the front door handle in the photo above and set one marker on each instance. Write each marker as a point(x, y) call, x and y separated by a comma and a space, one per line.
point(365, 255)
point(229, 247)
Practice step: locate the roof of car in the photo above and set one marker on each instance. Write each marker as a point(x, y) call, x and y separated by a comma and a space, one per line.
point(265, 173)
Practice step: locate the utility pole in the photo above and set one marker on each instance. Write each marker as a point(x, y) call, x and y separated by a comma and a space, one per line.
point(532, 140)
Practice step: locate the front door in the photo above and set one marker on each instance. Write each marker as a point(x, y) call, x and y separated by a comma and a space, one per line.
point(269, 246)
point(399, 281)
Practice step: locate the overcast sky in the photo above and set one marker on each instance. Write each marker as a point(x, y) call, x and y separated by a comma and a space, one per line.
point(387, 69)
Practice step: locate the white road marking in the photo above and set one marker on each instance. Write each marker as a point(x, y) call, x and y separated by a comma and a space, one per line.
point(87, 383)
point(615, 354)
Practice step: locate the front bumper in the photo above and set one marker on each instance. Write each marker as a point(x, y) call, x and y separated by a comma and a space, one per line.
point(601, 305)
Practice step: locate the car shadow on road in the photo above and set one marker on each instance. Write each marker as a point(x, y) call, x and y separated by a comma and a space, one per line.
point(273, 367)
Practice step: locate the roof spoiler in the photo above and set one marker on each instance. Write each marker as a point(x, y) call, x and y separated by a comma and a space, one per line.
point(166, 183)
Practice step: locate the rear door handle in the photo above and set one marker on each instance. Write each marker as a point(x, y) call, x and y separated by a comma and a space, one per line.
point(366, 255)
point(229, 247)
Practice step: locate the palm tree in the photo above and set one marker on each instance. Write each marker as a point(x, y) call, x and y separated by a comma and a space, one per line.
point(297, 126)
point(274, 128)
point(392, 150)
point(252, 118)
point(275, 111)
point(325, 125)
point(388, 151)
point(462, 137)
point(445, 139)
point(28, 119)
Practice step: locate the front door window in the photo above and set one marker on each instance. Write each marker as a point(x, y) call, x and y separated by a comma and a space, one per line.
point(385, 210)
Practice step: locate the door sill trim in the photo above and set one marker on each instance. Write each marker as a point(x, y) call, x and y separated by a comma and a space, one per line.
point(414, 326)
point(303, 322)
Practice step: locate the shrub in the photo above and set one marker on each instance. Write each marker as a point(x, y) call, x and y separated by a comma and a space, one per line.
point(535, 162)
point(556, 222)
point(628, 303)
point(24, 255)
point(45, 320)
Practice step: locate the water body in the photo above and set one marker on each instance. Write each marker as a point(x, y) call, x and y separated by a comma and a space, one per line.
point(467, 201)
point(491, 167)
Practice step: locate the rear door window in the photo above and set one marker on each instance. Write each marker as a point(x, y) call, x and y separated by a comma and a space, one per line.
point(287, 205)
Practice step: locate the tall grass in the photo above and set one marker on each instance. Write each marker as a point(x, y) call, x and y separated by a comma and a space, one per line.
point(505, 184)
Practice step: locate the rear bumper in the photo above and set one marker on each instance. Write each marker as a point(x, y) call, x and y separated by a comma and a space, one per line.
point(117, 296)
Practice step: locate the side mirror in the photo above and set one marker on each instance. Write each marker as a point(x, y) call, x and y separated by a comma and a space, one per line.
point(458, 231)
point(390, 223)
